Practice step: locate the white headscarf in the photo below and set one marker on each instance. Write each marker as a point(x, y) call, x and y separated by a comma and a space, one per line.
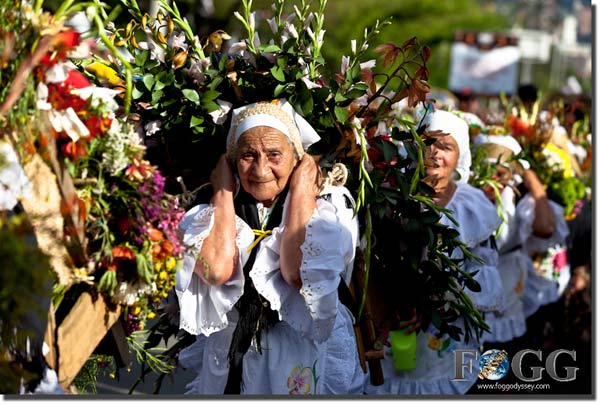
point(278, 114)
point(457, 128)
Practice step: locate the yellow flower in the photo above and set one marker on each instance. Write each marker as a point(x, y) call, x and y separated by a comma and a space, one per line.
point(158, 266)
point(151, 315)
point(162, 275)
point(434, 343)
point(171, 263)
point(136, 310)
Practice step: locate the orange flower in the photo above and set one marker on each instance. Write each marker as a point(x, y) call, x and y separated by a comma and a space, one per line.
point(123, 252)
point(154, 234)
point(139, 170)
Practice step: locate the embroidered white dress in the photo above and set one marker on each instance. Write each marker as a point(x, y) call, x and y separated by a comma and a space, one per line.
point(435, 370)
point(313, 349)
point(524, 289)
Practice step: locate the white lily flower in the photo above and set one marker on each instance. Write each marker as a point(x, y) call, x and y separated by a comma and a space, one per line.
point(345, 64)
point(309, 18)
point(156, 51)
point(320, 37)
point(353, 46)
point(68, 121)
point(238, 48)
point(292, 30)
point(220, 116)
point(310, 84)
point(98, 96)
point(177, 41)
point(41, 93)
point(237, 15)
point(362, 100)
point(252, 21)
point(381, 129)
point(272, 24)
point(82, 50)
point(256, 40)
point(57, 73)
point(311, 34)
point(370, 64)
point(14, 183)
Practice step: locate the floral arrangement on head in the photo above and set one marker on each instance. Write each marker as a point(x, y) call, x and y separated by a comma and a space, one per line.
point(354, 110)
point(534, 131)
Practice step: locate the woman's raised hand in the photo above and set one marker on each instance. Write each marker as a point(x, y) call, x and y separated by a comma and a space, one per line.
point(222, 177)
point(307, 177)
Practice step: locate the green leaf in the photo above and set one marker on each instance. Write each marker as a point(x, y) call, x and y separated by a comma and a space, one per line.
point(148, 80)
point(278, 73)
point(272, 48)
point(280, 88)
point(135, 93)
point(195, 121)
point(141, 58)
point(191, 95)
point(341, 114)
point(156, 96)
point(339, 97)
point(389, 150)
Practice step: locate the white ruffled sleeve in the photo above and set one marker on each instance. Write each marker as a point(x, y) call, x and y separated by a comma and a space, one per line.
point(326, 252)
point(203, 307)
point(525, 217)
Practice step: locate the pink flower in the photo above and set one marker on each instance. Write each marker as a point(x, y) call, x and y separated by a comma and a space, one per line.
point(560, 260)
point(299, 381)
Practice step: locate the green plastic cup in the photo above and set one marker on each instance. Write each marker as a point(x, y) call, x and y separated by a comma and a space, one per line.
point(404, 349)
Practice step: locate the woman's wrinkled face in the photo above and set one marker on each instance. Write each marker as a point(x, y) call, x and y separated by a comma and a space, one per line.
point(442, 157)
point(265, 160)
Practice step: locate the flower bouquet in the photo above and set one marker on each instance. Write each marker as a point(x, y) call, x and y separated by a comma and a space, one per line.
point(119, 237)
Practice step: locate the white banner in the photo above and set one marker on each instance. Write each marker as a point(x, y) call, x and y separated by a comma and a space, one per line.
point(487, 72)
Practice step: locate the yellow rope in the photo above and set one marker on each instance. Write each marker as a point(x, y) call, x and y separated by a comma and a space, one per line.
point(261, 235)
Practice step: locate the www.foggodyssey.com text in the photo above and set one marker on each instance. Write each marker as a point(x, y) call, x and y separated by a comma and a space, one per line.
point(513, 386)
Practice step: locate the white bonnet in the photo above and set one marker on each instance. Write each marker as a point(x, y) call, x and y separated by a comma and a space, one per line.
point(278, 114)
point(449, 123)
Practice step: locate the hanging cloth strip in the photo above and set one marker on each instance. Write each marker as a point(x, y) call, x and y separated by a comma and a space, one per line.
point(255, 313)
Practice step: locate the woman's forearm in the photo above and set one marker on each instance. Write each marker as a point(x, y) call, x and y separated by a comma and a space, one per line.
point(544, 221)
point(301, 208)
point(217, 260)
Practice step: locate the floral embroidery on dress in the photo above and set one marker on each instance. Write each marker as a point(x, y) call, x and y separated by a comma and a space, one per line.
point(314, 249)
point(552, 262)
point(301, 379)
point(439, 344)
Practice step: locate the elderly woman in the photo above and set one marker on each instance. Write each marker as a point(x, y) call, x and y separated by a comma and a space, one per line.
point(449, 160)
point(259, 285)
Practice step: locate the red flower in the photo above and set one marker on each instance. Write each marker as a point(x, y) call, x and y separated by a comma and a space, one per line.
point(76, 80)
point(74, 150)
point(62, 43)
point(97, 125)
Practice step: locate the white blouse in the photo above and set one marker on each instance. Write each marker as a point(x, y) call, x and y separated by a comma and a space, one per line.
point(306, 344)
